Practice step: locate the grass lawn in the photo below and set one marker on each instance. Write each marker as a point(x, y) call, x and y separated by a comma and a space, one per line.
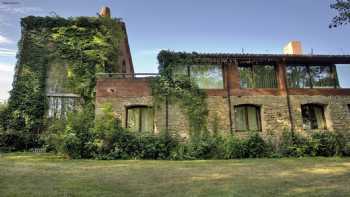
point(29, 174)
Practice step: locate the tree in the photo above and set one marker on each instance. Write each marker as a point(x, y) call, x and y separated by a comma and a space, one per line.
point(343, 16)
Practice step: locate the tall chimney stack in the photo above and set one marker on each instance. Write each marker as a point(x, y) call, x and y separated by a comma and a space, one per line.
point(105, 11)
point(293, 48)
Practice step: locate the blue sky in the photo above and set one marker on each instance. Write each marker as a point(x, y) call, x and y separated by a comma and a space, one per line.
point(190, 25)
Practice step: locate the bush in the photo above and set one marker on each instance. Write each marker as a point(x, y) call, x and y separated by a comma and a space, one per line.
point(294, 145)
point(324, 143)
point(255, 146)
point(234, 148)
point(78, 137)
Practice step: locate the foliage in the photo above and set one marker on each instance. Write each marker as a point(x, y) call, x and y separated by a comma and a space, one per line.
point(87, 44)
point(234, 148)
point(182, 90)
point(343, 9)
point(78, 137)
point(294, 145)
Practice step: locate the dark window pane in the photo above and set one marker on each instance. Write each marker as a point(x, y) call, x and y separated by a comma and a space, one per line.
point(257, 76)
point(321, 77)
point(207, 76)
point(313, 117)
point(298, 77)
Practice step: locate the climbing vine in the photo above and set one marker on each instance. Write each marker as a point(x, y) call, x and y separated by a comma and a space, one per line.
point(181, 89)
point(87, 45)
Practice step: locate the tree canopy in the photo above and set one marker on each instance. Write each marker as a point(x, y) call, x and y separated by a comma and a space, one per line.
point(343, 15)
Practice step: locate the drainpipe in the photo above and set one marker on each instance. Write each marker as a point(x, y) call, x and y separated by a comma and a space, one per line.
point(166, 115)
point(291, 120)
point(228, 88)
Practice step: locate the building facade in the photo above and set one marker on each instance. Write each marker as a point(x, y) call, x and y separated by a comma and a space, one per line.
point(246, 92)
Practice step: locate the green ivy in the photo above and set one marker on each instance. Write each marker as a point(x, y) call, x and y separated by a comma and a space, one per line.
point(87, 44)
point(181, 90)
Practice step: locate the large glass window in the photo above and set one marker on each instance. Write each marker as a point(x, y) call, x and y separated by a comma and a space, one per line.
point(298, 77)
point(140, 119)
point(311, 76)
point(257, 76)
point(313, 116)
point(206, 76)
point(342, 74)
point(247, 118)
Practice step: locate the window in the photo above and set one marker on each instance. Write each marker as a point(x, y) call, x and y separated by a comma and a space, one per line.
point(342, 74)
point(257, 76)
point(123, 67)
point(206, 76)
point(140, 118)
point(311, 76)
point(313, 116)
point(60, 105)
point(247, 118)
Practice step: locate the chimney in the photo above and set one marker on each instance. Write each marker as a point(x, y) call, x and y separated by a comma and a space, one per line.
point(105, 11)
point(293, 48)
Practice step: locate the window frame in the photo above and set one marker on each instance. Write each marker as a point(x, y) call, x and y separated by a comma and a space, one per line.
point(313, 105)
point(260, 64)
point(140, 118)
point(309, 77)
point(258, 118)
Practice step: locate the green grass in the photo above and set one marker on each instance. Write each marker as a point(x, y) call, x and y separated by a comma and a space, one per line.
point(28, 174)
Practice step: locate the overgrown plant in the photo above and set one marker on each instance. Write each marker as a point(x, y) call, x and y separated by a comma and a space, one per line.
point(86, 44)
point(181, 90)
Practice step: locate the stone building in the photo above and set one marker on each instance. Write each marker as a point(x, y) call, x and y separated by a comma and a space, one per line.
point(246, 92)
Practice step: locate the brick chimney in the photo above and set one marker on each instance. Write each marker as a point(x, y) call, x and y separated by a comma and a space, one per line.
point(105, 11)
point(293, 48)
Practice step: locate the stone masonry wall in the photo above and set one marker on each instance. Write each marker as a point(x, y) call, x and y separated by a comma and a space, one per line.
point(274, 109)
point(336, 111)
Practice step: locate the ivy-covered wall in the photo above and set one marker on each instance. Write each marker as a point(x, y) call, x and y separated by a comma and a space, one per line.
point(83, 46)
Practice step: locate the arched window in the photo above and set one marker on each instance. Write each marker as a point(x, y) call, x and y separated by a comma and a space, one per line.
point(247, 118)
point(140, 118)
point(313, 116)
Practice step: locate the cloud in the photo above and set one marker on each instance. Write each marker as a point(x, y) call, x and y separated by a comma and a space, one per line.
point(7, 52)
point(18, 9)
point(149, 52)
point(9, 68)
point(4, 40)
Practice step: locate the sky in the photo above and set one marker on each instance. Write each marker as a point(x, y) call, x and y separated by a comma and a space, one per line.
point(190, 25)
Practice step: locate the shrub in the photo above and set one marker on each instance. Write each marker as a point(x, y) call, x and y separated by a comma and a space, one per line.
point(343, 143)
point(294, 145)
point(78, 137)
point(324, 143)
point(255, 146)
point(234, 148)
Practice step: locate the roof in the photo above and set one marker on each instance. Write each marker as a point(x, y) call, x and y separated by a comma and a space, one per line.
point(232, 57)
